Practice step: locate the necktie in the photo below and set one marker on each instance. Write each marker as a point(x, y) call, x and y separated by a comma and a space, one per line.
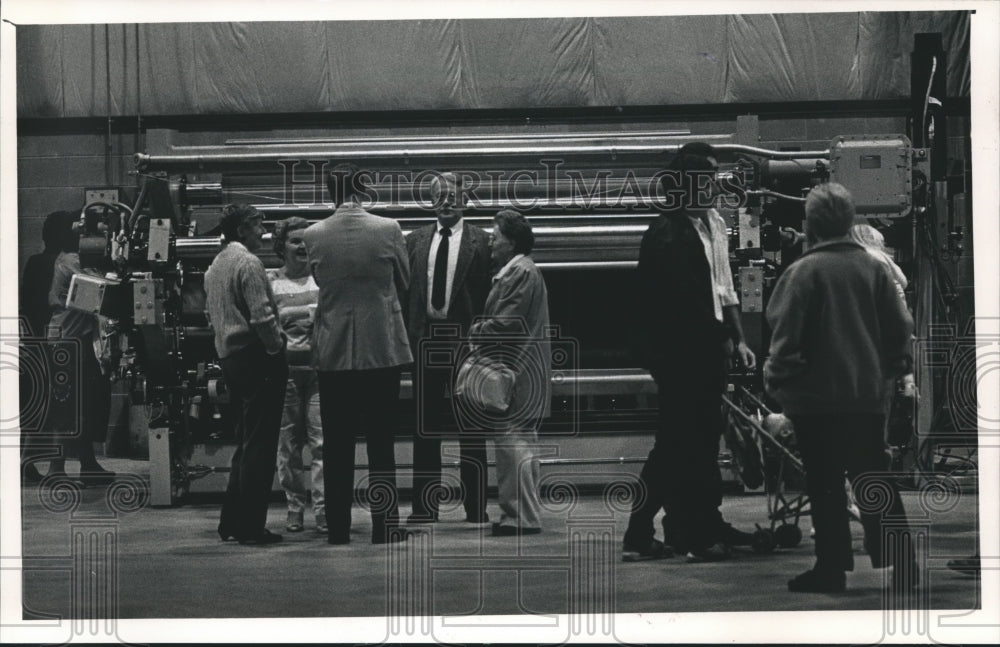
point(440, 270)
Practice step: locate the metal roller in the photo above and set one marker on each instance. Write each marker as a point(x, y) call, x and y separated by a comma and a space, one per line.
point(219, 158)
point(558, 247)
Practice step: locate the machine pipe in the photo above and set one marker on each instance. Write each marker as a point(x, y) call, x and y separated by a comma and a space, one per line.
point(217, 158)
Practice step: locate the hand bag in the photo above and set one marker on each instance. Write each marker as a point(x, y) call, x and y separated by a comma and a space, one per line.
point(485, 383)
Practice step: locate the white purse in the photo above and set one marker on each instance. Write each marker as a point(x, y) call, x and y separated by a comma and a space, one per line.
point(485, 383)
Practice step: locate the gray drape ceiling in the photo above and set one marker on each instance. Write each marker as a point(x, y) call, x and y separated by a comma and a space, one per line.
point(192, 68)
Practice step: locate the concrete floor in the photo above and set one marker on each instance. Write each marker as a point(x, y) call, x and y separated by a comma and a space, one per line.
point(169, 563)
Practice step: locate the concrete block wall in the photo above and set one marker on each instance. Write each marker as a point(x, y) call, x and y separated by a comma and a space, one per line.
point(54, 170)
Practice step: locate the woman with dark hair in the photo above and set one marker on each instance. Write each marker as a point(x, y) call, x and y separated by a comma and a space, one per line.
point(38, 269)
point(296, 293)
point(67, 324)
point(517, 312)
point(37, 279)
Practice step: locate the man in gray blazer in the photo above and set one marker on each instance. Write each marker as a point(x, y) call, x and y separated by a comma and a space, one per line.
point(359, 347)
point(451, 278)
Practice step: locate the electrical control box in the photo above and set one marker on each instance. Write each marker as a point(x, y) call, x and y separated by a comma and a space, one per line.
point(95, 295)
point(159, 240)
point(101, 194)
point(877, 169)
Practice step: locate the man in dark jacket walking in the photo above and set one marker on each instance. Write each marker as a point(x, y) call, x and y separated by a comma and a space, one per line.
point(689, 329)
point(839, 333)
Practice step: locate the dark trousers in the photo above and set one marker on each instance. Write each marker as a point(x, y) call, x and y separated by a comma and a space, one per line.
point(434, 415)
point(256, 384)
point(353, 403)
point(77, 431)
point(837, 444)
point(681, 473)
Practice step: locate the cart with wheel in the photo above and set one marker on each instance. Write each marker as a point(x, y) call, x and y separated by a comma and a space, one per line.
point(763, 451)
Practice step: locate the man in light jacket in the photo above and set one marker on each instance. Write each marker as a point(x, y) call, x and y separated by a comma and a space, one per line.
point(359, 348)
point(839, 333)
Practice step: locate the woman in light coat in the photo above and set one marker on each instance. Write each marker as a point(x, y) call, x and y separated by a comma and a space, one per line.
point(516, 318)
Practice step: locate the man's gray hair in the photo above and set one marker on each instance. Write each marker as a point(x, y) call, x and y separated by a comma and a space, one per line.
point(829, 212)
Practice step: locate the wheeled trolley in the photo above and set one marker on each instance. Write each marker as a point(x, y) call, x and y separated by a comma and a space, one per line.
point(762, 447)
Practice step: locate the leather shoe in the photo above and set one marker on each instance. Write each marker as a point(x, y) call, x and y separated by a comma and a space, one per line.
point(513, 531)
point(263, 538)
point(97, 477)
point(966, 565)
point(417, 519)
point(654, 549)
point(733, 537)
point(61, 478)
point(480, 519)
point(294, 522)
point(30, 475)
point(813, 581)
point(392, 536)
point(714, 553)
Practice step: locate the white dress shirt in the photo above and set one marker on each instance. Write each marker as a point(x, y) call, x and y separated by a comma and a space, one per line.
point(716, 242)
point(453, 245)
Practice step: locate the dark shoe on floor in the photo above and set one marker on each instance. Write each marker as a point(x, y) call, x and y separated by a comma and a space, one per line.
point(321, 525)
point(61, 478)
point(813, 581)
point(477, 519)
point(263, 538)
point(30, 475)
point(417, 519)
point(654, 549)
point(714, 553)
point(338, 540)
point(513, 531)
point(965, 565)
point(733, 537)
point(97, 476)
point(294, 522)
point(392, 536)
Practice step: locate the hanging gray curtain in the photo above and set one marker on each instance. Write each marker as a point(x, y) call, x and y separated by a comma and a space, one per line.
point(244, 68)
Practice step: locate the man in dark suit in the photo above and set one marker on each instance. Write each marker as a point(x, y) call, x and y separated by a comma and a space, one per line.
point(451, 278)
point(359, 348)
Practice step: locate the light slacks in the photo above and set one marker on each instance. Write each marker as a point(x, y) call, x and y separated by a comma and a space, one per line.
point(300, 425)
point(517, 477)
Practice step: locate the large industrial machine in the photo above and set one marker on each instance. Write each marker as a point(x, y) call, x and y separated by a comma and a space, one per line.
point(589, 196)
